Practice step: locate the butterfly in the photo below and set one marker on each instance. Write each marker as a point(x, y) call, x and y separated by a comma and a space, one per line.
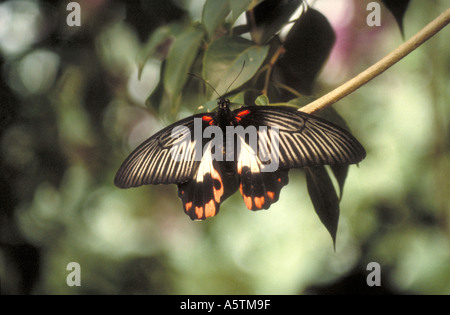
point(261, 145)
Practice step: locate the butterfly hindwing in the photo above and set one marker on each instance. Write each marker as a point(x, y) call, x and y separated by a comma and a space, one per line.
point(258, 188)
point(202, 196)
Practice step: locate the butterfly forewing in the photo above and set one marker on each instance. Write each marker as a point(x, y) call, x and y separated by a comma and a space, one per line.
point(303, 140)
point(167, 157)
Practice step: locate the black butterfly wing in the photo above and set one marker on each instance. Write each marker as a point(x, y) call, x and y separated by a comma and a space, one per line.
point(172, 156)
point(302, 140)
point(213, 183)
point(167, 157)
point(286, 139)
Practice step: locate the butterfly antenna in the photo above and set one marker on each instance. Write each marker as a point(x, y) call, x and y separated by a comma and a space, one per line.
point(243, 65)
point(206, 82)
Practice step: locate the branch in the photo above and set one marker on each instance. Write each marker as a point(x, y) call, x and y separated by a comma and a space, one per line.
point(392, 58)
point(280, 50)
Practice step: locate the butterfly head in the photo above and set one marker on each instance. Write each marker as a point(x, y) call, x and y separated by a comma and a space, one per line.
point(224, 104)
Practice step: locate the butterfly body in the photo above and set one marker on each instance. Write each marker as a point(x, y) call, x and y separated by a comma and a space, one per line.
point(251, 149)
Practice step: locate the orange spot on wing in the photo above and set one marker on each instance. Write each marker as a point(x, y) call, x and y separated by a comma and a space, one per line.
point(279, 180)
point(210, 209)
point(248, 201)
point(259, 202)
point(217, 192)
point(240, 188)
point(188, 206)
point(199, 212)
point(271, 195)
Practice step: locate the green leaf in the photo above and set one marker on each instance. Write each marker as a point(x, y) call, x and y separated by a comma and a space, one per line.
point(340, 173)
point(155, 98)
point(158, 42)
point(270, 16)
point(262, 100)
point(238, 7)
point(308, 45)
point(302, 100)
point(179, 61)
point(214, 14)
point(398, 9)
point(224, 59)
point(324, 198)
point(238, 98)
point(157, 38)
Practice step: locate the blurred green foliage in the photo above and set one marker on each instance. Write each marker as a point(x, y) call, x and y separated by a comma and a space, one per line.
point(76, 100)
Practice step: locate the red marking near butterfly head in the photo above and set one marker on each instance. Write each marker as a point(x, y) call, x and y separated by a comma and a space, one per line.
point(243, 113)
point(208, 119)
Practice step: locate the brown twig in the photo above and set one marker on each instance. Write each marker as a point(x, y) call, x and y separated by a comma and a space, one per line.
point(280, 50)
